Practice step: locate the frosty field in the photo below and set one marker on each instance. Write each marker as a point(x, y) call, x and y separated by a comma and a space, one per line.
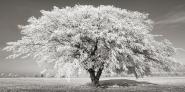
point(149, 84)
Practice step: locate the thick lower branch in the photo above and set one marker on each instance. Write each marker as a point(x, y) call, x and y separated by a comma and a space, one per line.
point(99, 72)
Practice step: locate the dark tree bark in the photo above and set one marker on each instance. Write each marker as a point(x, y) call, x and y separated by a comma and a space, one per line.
point(95, 76)
point(135, 74)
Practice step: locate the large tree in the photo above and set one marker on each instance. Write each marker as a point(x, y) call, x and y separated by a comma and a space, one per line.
point(94, 39)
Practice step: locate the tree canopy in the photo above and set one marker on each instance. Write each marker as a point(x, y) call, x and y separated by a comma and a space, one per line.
point(96, 39)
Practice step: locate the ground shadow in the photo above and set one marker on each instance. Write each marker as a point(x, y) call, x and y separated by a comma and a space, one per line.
point(121, 83)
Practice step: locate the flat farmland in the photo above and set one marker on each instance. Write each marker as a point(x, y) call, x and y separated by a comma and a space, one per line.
point(115, 84)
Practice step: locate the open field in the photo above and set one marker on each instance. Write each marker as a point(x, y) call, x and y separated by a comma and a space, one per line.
point(149, 84)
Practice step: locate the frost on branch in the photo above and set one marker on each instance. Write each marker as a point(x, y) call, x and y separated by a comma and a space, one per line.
point(94, 39)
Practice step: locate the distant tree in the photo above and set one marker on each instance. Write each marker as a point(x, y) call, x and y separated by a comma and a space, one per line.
point(42, 75)
point(94, 39)
point(2, 74)
point(10, 74)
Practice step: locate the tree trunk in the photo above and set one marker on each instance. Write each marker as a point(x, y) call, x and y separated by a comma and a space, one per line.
point(135, 73)
point(95, 77)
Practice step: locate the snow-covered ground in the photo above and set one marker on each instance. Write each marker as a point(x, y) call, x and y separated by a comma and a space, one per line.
point(149, 84)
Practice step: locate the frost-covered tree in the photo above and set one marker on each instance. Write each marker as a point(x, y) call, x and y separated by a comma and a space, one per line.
point(96, 39)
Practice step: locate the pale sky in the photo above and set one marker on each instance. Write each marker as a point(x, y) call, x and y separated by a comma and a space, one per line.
point(169, 17)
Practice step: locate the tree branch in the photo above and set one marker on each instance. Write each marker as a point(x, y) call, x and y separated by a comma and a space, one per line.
point(95, 47)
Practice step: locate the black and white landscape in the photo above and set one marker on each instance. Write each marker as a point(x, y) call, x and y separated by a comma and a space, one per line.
point(92, 46)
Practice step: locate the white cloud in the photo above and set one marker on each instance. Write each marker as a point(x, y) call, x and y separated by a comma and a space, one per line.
point(173, 18)
point(176, 16)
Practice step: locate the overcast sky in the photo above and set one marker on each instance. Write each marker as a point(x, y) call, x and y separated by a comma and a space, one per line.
point(169, 17)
